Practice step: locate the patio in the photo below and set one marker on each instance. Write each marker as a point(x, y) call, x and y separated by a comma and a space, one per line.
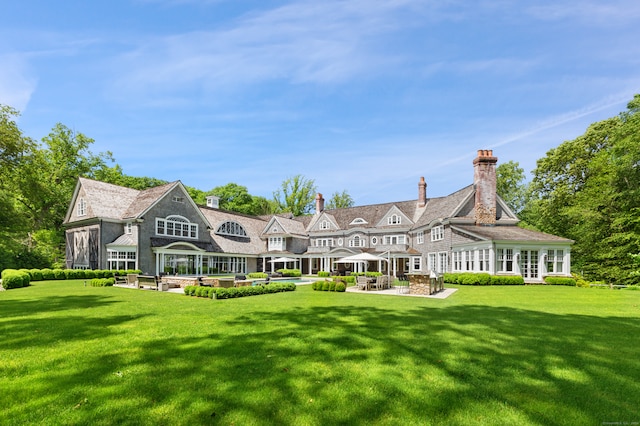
point(404, 291)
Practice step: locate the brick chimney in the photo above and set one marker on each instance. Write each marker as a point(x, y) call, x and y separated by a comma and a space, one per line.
point(422, 192)
point(484, 180)
point(319, 203)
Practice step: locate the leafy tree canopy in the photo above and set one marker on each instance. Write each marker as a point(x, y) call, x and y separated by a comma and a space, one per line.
point(340, 200)
point(296, 195)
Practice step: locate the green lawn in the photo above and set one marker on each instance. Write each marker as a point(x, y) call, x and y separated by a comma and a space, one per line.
point(71, 354)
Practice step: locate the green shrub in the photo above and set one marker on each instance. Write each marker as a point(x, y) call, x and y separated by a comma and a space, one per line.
point(324, 274)
point(350, 279)
point(560, 281)
point(102, 282)
point(47, 274)
point(373, 274)
point(634, 287)
point(332, 286)
point(12, 278)
point(258, 275)
point(58, 274)
point(325, 285)
point(341, 287)
point(290, 272)
point(187, 290)
point(36, 274)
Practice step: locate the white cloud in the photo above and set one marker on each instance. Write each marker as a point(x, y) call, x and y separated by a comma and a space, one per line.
point(17, 82)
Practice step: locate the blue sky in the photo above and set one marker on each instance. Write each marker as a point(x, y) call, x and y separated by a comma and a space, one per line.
point(361, 95)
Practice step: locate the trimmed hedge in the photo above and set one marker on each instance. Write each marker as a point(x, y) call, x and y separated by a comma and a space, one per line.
point(290, 272)
point(259, 275)
point(233, 292)
point(560, 281)
point(13, 278)
point(102, 282)
point(324, 274)
point(47, 274)
point(335, 285)
point(481, 278)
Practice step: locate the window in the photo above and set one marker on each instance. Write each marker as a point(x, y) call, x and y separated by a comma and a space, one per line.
point(324, 225)
point(442, 262)
point(223, 265)
point(356, 241)
point(483, 261)
point(277, 243)
point(82, 207)
point(469, 260)
point(416, 263)
point(394, 239)
point(121, 259)
point(437, 233)
point(432, 261)
point(555, 261)
point(358, 221)
point(176, 226)
point(324, 242)
point(231, 228)
point(374, 241)
point(128, 228)
point(457, 261)
point(420, 237)
point(505, 260)
point(177, 199)
point(394, 219)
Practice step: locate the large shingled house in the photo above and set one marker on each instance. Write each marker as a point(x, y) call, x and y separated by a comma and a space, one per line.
point(162, 231)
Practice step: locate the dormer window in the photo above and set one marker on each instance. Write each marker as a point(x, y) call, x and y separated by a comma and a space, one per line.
point(128, 228)
point(177, 199)
point(82, 207)
point(324, 225)
point(231, 228)
point(358, 221)
point(394, 219)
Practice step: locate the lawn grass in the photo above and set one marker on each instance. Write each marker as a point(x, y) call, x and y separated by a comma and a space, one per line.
point(541, 355)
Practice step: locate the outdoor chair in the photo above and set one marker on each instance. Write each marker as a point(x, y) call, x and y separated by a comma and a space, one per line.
point(361, 282)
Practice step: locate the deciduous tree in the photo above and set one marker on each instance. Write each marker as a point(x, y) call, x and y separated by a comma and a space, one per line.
point(296, 195)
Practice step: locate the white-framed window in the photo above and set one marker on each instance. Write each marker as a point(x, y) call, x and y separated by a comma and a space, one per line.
point(324, 225)
point(457, 260)
point(177, 199)
point(504, 260)
point(555, 261)
point(469, 258)
point(277, 243)
point(340, 242)
point(416, 263)
point(358, 221)
point(374, 241)
point(420, 237)
point(82, 207)
point(357, 241)
point(437, 233)
point(442, 262)
point(483, 260)
point(121, 259)
point(128, 228)
point(324, 242)
point(394, 219)
point(433, 258)
point(231, 228)
point(176, 226)
point(394, 239)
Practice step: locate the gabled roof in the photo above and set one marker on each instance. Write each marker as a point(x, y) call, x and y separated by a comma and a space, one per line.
point(286, 226)
point(372, 214)
point(104, 200)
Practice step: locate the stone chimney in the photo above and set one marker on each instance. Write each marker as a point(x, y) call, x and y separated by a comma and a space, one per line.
point(422, 193)
point(484, 180)
point(319, 203)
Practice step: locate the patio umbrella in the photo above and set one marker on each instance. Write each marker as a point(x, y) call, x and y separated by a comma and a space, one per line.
point(282, 259)
point(361, 257)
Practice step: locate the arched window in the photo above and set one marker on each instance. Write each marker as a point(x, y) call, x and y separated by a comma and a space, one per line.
point(176, 226)
point(356, 241)
point(324, 224)
point(231, 228)
point(394, 219)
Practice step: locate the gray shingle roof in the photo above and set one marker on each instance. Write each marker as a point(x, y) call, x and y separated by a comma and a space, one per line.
point(253, 226)
point(105, 200)
point(510, 233)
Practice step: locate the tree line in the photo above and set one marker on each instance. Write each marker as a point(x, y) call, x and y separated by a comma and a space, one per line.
point(586, 189)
